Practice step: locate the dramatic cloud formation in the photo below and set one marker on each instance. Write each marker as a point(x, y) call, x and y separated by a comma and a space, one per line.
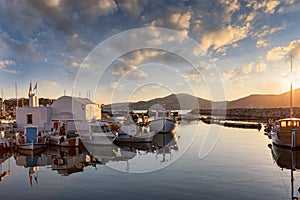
point(282, 53)
point(50, 39)
point(223, 37)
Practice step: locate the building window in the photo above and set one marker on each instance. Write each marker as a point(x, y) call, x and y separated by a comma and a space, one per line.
point(29, 118)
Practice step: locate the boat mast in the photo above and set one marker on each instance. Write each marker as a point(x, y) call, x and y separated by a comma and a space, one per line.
point(291, 90)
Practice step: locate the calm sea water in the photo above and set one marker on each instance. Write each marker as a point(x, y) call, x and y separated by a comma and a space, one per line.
point(239, 166)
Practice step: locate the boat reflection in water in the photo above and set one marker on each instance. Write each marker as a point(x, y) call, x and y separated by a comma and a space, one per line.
point(141, 157)
point(5, 155)
point(65, 160)
point(68, 160)
point(290, 160)
point(165, 144)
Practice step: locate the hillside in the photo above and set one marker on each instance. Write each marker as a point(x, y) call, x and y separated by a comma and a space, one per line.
point(266, 101)
point(188, 102)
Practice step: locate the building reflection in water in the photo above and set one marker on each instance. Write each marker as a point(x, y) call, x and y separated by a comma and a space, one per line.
point(5, 155)
point(69, 160)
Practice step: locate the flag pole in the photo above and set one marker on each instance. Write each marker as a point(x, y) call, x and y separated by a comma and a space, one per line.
point(16, 95)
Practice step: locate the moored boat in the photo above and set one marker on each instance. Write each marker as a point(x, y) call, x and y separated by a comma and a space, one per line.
point(286, 132)
point(162, 122)
point(99, 134)
point(60, 135)
point(31, 139)
point(130, 132)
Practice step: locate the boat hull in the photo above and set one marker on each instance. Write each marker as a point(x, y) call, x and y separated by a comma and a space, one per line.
point(162, 125)
point(284, 139)
point(143, 137)
point(64, 141)
point(4, 145)
point(31, 146)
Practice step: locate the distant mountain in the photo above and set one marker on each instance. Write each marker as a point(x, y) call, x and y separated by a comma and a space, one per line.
point(267, 101)
point(173, 101)
point(188, 102)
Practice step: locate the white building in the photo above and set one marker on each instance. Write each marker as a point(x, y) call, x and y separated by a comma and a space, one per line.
point(74, 110)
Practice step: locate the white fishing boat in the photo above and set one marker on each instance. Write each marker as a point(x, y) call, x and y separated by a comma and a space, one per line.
point(99, 134)
point(60, 135)
point(286, 132)
point(130, 132)
point(30, 140)
point(162, 122)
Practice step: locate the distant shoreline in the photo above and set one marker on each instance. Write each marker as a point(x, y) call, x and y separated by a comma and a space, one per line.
point(261, 114)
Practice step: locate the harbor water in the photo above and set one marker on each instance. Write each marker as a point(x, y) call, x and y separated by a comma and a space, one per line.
point(240, 165)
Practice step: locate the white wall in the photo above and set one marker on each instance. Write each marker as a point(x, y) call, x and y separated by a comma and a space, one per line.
point(40, 117)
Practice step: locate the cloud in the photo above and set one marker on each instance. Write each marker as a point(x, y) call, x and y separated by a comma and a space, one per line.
point(283, 52)
point(264, 33)
point(129, 63)
point(267, 6)
point(77, 64)
point(10, 46)
point(175, 20)
point(5, 63)
point(57, 13)
point(271, 5)
point(226, 36)
point(107, 6)
point(262, 43)
point(119, 69)
point(116, 85)
point(129, 71)
point(51, 3)
point(260, 67)
point(132, 8)
point(96, 8)
point(238, 74)
point(231, 5)
point(136, 75)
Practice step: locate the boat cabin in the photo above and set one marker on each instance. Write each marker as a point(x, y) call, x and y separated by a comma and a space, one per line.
point(289, 123)
point(99, 127)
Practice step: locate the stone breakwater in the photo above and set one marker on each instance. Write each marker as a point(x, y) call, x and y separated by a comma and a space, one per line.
point(261, 114)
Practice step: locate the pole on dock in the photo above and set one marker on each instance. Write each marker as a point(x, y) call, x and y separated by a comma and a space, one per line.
point(293, 139)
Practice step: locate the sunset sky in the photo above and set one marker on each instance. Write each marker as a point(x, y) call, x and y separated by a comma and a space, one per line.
point(244, 48)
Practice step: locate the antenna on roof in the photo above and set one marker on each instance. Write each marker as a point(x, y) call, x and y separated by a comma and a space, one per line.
point(64, 92)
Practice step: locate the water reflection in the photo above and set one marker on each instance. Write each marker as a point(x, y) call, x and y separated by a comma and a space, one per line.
point(63, 160)
point(147, 156)
point(288, 159)
point(5, 155)
point(69, 160)
point(165, 144)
